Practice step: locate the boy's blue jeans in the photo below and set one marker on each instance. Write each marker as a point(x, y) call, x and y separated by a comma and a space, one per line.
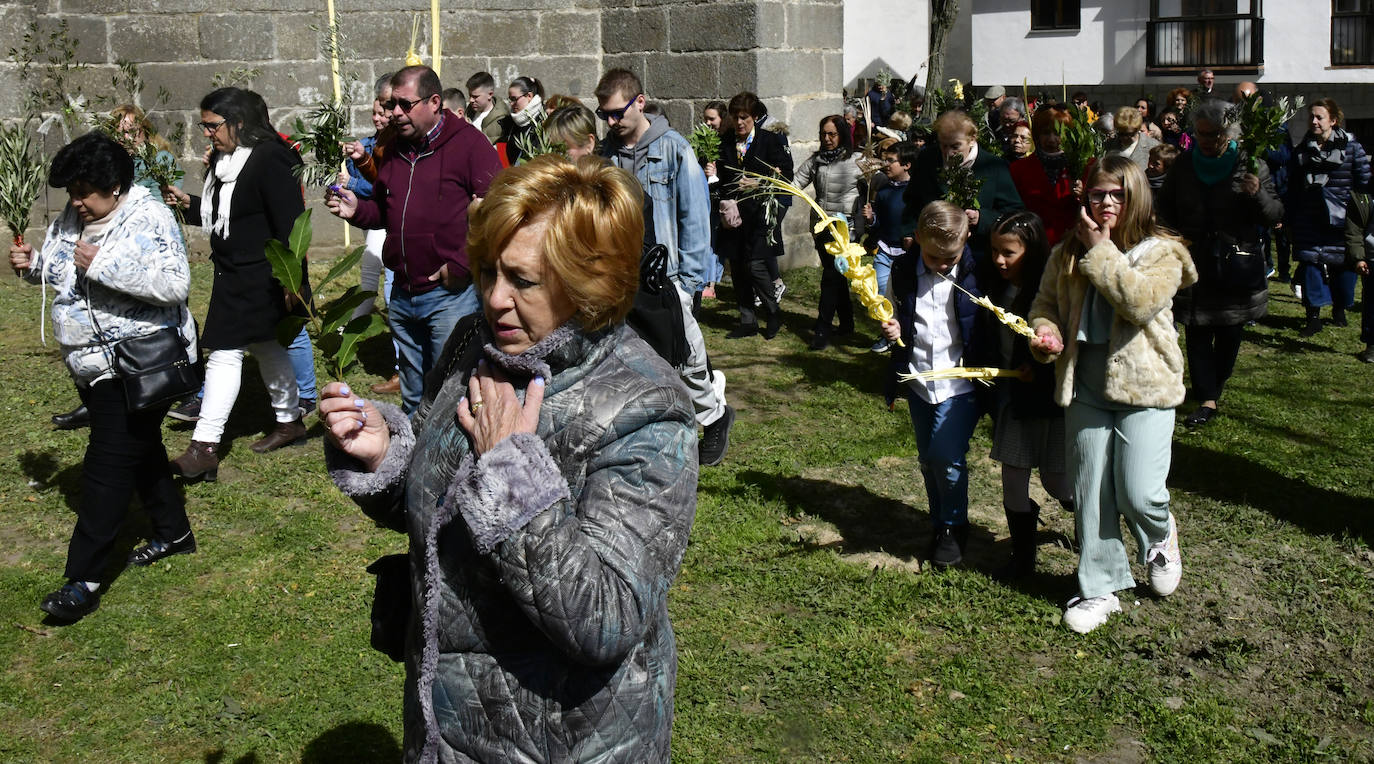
point(942, 434)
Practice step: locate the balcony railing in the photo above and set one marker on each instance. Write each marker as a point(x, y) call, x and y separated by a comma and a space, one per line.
point(1352, 39)
point(1231, 43)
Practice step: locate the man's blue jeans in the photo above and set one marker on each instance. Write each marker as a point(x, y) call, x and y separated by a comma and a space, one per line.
point(942, 434)
point(302, 355)
point(421, 324)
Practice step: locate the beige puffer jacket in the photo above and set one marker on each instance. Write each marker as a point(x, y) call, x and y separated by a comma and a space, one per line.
point(1144, 362)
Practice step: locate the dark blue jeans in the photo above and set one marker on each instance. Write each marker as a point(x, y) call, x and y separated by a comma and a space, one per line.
point(942, 434)
point(421, 324)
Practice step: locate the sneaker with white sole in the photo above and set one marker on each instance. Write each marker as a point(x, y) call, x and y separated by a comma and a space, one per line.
point(778, 289)
point(1084, 615)
point(1165, 562)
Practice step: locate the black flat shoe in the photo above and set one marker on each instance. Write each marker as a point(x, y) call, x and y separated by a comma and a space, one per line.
point(71, 603)
point(156, 549)
point(72, 420)
point(1202, 416)
point(819, 342)
point(740, 332)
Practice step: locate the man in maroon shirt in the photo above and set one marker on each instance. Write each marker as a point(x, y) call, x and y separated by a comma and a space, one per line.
point(439, 166)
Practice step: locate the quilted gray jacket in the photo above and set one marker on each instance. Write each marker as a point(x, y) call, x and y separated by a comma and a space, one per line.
point(541, 570)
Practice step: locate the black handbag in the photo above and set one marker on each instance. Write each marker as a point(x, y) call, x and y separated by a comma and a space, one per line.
point(1237, 266)
point(391, 605)
point(155, 368)
point(656, 315)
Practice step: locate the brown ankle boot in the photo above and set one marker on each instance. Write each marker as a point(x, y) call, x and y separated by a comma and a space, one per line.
point(389, 387)
point(285, 434)
point(200, 461)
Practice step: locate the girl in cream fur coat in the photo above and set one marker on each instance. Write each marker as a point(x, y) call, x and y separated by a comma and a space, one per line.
point(1103, 315)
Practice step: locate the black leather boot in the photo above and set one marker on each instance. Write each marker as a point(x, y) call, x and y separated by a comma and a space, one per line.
point(1022, 526)
point(75, 419)
point(1314, 323)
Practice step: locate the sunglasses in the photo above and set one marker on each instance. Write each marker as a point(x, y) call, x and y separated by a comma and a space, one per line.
point(606, 115)
point(405, 105)
point(1099, 195)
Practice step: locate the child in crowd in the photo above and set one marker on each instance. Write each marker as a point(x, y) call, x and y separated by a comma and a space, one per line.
point(1028, 426)
point(884, 215)
point(935, 323)
point(1104, 316)
point(1161, 159)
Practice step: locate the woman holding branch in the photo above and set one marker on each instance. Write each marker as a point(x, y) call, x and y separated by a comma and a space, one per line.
point(250, 196)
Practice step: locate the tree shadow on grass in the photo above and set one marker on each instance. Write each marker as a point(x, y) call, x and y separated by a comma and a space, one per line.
point(353, 741)
point(1235, 480)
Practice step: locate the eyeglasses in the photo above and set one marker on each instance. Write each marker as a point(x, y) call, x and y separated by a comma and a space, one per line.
point(211, 127)
point(829, 133)
point(516, 98)
point(405, 105)
point(606, 115)
point(1099, 195)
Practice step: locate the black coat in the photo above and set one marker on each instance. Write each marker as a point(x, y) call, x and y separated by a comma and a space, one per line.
point(1198, 212)
point(766, 154)
point(246, 302)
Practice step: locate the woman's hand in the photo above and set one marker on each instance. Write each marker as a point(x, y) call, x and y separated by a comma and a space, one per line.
point(353, 149)
point(972, 218)
point(1046, 341)
point(85, 252)
point(491, 412)
point(342, 203)
point(342, 179)
point(354, 425)
point(175, 197)
point(710, 169)
point(892, 331)
point(21, 257)
point(1090, 232)
point(1250, 184)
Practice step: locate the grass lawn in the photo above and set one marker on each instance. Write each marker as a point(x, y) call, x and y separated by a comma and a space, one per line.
point(807, 628)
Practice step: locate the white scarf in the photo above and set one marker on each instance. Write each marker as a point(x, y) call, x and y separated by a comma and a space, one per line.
point(226, 172)
point(533, 112)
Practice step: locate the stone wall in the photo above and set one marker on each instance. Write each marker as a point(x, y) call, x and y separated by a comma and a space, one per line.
point(686, 51)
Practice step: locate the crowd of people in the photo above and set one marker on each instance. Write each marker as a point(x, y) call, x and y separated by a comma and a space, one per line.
point(548, 515)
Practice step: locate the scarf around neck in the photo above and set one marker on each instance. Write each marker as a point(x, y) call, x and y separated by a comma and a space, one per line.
point(832, 155)
point(1055, 164)
point(1213, 170)
point(1318, 160)
point(214, 210)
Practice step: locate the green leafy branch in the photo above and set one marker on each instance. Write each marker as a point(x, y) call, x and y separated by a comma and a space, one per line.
point(961, 185)
point(536, 143)
point(1263, 128)
point(322, 138)
point(337, 334)
point(1080, 142)
point(705, 141)
point(23, 175)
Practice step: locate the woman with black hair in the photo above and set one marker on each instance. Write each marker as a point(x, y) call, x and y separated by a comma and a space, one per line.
point(527, 111)
point(250, 196)
point(117, 262)
point(835, 174)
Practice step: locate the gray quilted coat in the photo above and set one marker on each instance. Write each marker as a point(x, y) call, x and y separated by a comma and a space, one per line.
point(541, 570)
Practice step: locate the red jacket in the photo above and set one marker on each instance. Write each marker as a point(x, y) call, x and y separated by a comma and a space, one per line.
point(422, 199)
point(1054, 203)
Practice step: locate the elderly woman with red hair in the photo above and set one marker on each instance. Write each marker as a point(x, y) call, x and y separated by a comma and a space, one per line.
point(1042, 179)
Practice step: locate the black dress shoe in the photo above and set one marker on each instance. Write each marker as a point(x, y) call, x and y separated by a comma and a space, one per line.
point(820, 342)
point(72, 602)
point(75, 419)
point(156, 549)
point(745, 330)
point(771, 330)
point(1203, 415)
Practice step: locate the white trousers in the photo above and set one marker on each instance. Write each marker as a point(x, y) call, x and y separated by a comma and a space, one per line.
point(224, 374)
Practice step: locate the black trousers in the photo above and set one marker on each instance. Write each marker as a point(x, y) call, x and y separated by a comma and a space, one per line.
point(124, 456)
point(752, 278)
point(1212, 352)
point(834, 293)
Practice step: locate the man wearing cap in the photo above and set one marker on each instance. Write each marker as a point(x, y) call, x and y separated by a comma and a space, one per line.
point(992, 98)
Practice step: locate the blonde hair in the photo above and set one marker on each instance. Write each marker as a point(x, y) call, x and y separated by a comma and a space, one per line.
point(140, 119)
point(595, 233)
point(1127, 120)
point(1136, 221)
point(571, 125)
point(952, 122)
point(942, 225)
point(899, 120)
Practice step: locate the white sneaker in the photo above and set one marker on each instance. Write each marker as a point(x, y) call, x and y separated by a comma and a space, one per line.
point(718, 383)
point(778, 289)
point(1084, 615)
point(1165, 562)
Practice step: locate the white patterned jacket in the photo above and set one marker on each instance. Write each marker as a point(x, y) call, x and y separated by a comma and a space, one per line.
point(136, 285)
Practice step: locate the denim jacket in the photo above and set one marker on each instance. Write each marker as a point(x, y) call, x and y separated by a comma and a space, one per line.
point(676, 186)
